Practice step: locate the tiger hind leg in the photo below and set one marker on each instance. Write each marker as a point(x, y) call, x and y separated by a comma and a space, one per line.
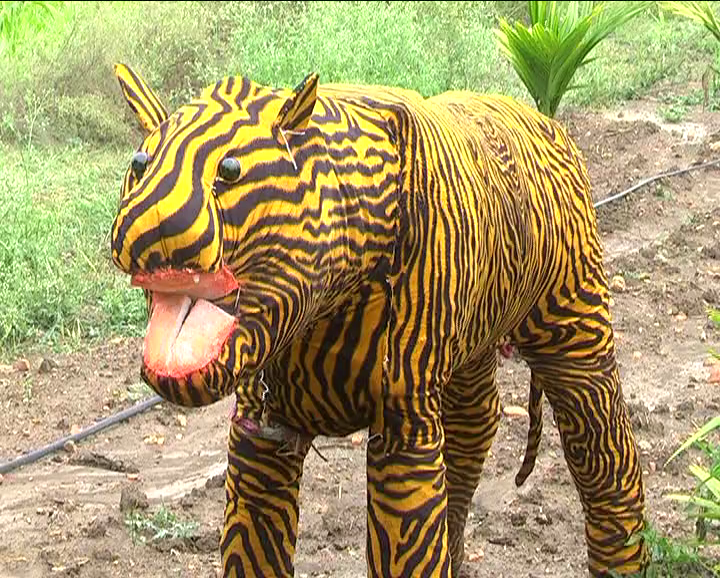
point(601, 454)
point(470, 420)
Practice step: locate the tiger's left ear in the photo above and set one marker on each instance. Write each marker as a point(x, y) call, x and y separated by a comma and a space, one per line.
point(146, 105)
point(297, 110)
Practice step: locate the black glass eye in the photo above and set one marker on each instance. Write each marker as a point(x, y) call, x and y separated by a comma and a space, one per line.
point(229, 170)
point(139, 164)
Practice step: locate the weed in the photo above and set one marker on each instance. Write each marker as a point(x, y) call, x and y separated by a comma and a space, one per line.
point(670, 558)
point(663, 192)
point(137, 391)
point(673, 113)
point(27, 390)
point(162, 525)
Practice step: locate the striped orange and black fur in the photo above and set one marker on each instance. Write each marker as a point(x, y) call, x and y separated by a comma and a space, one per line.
point(383, 244)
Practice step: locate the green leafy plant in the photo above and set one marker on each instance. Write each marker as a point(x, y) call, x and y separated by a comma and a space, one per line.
point(162, 525)
point(704, 503)
point(18, 19)
point(670, 558)
point(700, 12)
point(547, 54)
point(673, 113)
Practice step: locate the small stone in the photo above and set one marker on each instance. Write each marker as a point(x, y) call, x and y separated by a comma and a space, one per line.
point(681, 316)
point(21, 365)
point(356, 439)
point(96, 529)
point(653, 467)
point(181, 420)
point(75, 429)
point(515, 411)
point(710, 361)
point(687, 405)
point(70, 446)
point(131, 498)
point(644, 445)
point(154, 439)
point(163, 419)
point(618, 284)
point(663, 408)
point(217, 481)
point(714, 376)
point(703, 336)
point(209, 541)
point(133, 477)
point(637, 354)
point(543, 519)
point(104, 555)
point(47, 365)
point(476, 556)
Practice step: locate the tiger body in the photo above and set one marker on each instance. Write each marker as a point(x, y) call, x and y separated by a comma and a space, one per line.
point(383, 244)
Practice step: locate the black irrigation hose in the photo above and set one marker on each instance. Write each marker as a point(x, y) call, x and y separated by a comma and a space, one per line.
point(148, 403)
point(58, 444)
point(649, 180)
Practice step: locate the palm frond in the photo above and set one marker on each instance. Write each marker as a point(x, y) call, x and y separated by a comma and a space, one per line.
point(547, 54)
point(700, 12)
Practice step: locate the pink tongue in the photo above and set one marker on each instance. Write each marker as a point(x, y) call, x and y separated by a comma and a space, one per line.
point(176, 345)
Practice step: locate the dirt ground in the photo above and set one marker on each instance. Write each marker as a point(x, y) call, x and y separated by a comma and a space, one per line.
point(62, 516)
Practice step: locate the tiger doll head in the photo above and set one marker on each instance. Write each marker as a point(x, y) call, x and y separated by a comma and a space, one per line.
point(237, 221)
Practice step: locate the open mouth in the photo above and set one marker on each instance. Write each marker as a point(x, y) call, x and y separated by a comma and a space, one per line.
point(186, 331)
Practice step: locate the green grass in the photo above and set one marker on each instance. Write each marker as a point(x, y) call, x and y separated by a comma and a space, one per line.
point(56, 278)
point(58, 84)
point(639, 57)
point(66, 134)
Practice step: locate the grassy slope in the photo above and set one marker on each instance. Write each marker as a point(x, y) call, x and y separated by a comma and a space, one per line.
point(66, 135)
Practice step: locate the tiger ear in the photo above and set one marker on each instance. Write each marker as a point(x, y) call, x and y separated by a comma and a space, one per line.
point(297, 110)
point(148, 108)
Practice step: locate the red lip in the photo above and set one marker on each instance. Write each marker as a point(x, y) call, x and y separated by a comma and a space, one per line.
point(198, 285)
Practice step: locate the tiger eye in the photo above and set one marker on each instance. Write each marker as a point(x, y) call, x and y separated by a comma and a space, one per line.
point(229, 170)
point(139, 164)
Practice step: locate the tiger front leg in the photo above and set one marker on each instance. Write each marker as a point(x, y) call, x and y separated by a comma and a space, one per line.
point(471, 415)
point(261, 514)
point(406, 496)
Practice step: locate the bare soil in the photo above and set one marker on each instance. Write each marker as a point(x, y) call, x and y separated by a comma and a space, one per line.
point(61, 516)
